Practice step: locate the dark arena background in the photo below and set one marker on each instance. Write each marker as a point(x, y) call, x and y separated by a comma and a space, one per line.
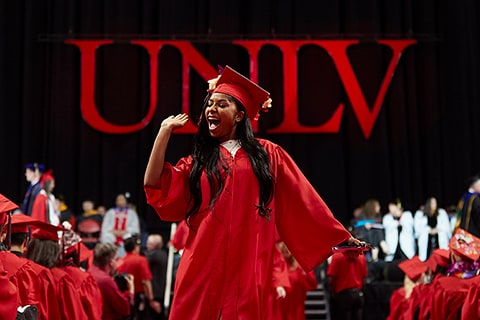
point(373, 99)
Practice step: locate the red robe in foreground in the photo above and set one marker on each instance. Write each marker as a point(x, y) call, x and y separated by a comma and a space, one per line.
point(90, 294)
point(9, 296)
point(48, 305)
point(21, 274)
point(225, 270)
point(70, 303)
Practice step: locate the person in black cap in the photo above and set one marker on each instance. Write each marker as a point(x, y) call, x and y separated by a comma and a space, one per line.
point(33, 173)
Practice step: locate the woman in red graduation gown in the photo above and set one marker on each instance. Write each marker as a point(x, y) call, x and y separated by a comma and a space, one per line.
point(44, 249)
point(234, 191)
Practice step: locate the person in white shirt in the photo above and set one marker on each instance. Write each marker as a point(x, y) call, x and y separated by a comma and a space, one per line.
point(399, 233)
point(432, 228)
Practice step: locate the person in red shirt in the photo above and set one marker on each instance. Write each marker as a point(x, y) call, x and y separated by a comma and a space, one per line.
point(346, 275)
point(116, 304)
point(137, 265)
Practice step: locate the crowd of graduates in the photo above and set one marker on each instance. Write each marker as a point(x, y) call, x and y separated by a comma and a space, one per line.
point(434, 253)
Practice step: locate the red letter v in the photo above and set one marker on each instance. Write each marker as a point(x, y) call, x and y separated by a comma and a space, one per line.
point(338, 52)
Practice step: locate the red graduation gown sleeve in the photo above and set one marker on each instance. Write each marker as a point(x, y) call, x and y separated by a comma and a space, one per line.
point(304, 221)
point(171, 199)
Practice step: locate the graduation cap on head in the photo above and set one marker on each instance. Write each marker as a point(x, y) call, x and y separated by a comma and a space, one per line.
point(47, 176)
point(6, 206)
point(20, 223)
point(35, 167)
point(465, 244)
point(438, 258)
point(254, 98)
point(46, 231)
point(413, 268)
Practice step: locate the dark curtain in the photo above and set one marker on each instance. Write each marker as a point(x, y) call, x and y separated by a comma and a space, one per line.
point(424, 142)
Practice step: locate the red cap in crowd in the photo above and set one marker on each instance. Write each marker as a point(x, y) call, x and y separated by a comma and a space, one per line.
point(413, 268)
point(465, 244)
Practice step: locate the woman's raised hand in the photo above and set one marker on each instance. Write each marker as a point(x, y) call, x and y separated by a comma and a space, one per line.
point(175, 122)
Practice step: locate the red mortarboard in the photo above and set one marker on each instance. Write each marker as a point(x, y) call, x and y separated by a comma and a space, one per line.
point(465, 244)
point(20, 223)
point(46, 231)
point(5, 206)
point(47, 176)
point(252, 96)
point(439, 257)
point(413, 268)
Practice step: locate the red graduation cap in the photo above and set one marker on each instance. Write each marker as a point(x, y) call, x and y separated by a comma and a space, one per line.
point(5, 206)
point(47, 176)
point(439, 257)
point(20, 223)
point(252, 96)
point(465, 245)
point(413, 268)
point(46, 231)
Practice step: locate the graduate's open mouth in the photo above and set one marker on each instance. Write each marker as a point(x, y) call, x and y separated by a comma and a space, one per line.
point(213, 123)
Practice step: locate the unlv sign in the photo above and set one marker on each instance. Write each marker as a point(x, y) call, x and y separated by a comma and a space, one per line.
point(337, 49)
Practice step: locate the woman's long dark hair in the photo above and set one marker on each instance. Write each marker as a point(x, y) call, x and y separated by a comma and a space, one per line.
point(44, 252)
point(206, 156)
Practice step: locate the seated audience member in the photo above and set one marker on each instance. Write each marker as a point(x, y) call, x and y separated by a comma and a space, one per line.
point(116, 303)
point(90, 295)
point(66, 214)
point(414, 270)
point(17, 277)
point(89, 212)
point(44, 249)
point(48, 307)
point(451, 290)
